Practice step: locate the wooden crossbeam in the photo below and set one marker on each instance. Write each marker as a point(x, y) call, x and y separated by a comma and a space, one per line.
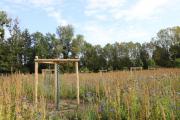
point(53, 61)
point(102, 70)
point(136, 68)
point(47, 70)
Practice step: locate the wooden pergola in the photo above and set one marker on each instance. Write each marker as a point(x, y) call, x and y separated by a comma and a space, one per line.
point(55, 62)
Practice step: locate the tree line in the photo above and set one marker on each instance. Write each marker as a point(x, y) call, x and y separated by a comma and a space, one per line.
point(18, 50)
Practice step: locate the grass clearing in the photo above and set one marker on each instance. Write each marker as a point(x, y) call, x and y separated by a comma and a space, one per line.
point(147, 94)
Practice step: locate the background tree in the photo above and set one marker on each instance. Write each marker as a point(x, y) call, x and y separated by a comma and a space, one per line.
point(87, 58)
point(15, 44)
point(27, 52)
point(108, 56)
point(144, 56)
point(167, 47)
point(55, 46)
point(77, 46)
point(65, 34)
point(4, 22)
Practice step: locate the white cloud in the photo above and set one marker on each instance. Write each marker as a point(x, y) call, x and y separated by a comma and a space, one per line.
point(96, 6)
point(56, 15)
point(104, 4)
point(101, 17)
point(97, 34)
point(134, 34)
point(49, 6)
point(118, 9)
point(143, 9)
point(113, 12)
point(38, 3)
point(90, 12)
point(44, 2)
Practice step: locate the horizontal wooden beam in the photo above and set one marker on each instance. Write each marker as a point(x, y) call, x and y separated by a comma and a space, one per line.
point(46, 62)
point(53, 61)
point(47, 69)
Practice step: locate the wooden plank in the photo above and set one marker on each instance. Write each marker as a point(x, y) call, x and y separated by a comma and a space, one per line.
point(36, 82)
point(56, 87)
point(135, 68)
point(55, 60)
point(102, 70)
point(46, 62)
point(77, 83)
point(47, 70)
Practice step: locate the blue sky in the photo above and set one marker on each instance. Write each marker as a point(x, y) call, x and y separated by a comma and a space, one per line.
point(100, 21)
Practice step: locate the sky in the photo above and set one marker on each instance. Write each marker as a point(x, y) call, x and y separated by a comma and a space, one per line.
point(100, 21)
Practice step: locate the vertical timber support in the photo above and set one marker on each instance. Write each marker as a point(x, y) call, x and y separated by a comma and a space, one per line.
point(36, 82)
point(77, 83)
point(56, 86)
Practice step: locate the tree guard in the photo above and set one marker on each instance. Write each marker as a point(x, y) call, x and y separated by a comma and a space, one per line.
point(56, 70)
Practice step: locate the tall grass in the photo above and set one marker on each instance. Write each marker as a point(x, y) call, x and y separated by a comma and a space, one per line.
point(147, 94)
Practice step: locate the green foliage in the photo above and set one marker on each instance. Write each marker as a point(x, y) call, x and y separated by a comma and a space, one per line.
point(65, 34)
point(177, 62)
point(167, 47)
point(4, 22)
point(77, 45)
point(151, 63)
point(162, 58)
point(17, 52)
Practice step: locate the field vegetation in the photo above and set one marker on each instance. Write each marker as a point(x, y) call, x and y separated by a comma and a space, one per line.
point(121, 95)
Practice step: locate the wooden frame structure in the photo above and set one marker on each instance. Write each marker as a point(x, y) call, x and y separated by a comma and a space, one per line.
point(102, 71)
point(136, 68)
point(44, 71)
point(152, 68)
point(55, 62)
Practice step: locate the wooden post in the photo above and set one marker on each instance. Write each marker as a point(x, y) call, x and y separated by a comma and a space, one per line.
point(100, 73)
point(43, 74)
point(36, 82)
point(56, 87)
point(77, 83)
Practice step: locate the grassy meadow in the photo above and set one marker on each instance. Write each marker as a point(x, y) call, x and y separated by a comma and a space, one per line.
point(119, 95)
